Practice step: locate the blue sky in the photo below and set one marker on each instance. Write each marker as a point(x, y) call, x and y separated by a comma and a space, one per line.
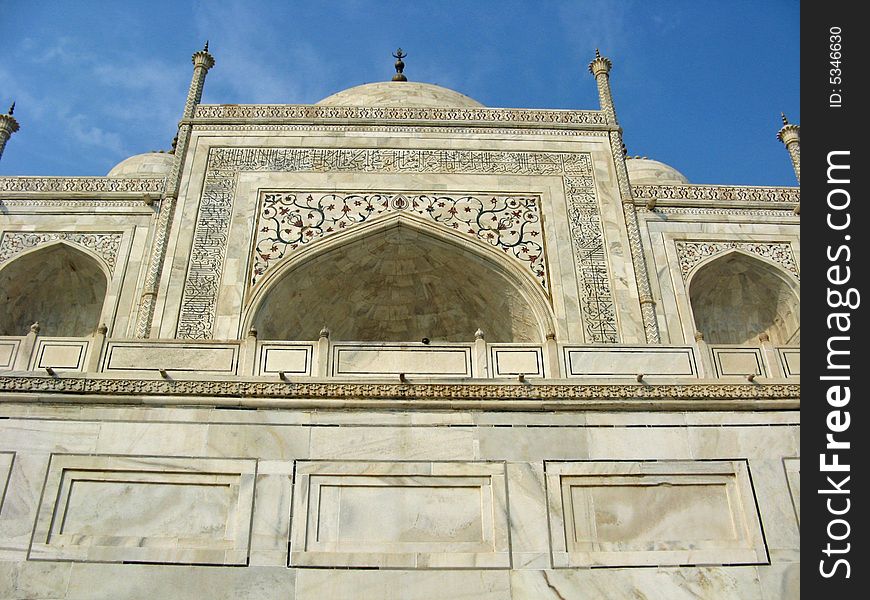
point(697, 84)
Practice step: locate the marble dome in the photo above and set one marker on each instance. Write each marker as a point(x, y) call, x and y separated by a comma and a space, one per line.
point(400, 93)
point(149, 164)
point(645, 171)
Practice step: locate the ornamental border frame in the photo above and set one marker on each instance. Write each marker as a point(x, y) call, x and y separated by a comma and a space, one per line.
point(202, 281)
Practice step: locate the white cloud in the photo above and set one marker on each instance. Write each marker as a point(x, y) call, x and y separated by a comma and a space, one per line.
point(97, 137)
point(256, 65)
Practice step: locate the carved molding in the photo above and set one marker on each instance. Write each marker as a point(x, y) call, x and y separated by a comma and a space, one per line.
point(691, 253)
point(734, 396)
point(700, 210)
point(70, 203)
point(289, 220)
point(199, 299)
point(521, 117)
point(96, 185)
point(104, 245)
point(321, 127)
point(718, 193)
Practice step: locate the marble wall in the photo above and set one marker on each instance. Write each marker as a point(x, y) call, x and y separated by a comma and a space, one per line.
point(303, 504)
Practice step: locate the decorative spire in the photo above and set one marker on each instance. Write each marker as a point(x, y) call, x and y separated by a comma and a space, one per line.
point(8, 126)
point(203, 58)
point(790, 136)
point(400, 66)
point(601, 64)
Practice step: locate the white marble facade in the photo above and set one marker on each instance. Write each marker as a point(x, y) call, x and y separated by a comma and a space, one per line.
point(397, 344)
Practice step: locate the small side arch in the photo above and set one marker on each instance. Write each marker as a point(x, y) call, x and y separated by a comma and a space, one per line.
point(400, 279)
point(58, 284)
point(736, 296)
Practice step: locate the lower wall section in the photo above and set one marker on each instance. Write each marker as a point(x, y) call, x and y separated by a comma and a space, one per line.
point(410, 505)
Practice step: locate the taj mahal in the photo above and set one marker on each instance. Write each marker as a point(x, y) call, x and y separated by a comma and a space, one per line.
point(398, 345)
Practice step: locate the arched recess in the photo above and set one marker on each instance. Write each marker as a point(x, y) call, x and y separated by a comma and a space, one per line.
point(59, 285)
point(400, 279)
point(736, 296)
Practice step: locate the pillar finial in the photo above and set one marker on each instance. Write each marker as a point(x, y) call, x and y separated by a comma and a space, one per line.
point(400, 66)
point(202, 58)
point(600, 64)
point(790, 136)
point(8, 126)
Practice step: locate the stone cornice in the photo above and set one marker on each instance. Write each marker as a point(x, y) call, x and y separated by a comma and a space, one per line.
point(90, 186)
point(717, 193)
point(371, 395)
point(306, 113)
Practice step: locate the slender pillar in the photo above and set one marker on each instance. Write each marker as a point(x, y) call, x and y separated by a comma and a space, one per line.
point(600, 69)
point(479, 359)
point(321, 359)
point(551, 357)
point(790, 135)
point(25, 350)
point(8, 126)
point(202, 62)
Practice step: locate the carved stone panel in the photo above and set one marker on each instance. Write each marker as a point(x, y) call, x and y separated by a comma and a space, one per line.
point(290, 220)
point(400, 515)
point(653, 513)
point(104, 245)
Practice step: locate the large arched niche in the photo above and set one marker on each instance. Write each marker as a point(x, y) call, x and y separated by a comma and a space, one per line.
point(402, 281)
point(737, 297)
point(60, 286)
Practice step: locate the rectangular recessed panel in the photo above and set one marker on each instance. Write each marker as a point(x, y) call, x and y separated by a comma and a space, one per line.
point(790, 358)
point(158, 509)
point(8, 350)
point(153, 356)
point(738, 361)
point(143, 509)
point(635, 515)
point(661, 513)
point(507, 360)
point(402, 515)
point(399, 512)
point(68, 355)
point(629, 361)
point(295, 359)
point(432, 361)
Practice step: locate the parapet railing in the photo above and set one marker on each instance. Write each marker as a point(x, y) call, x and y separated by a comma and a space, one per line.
point(326, 358)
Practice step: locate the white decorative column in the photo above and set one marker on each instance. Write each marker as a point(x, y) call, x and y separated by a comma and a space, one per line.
point(8, 126)
point(790, 135)
point(202, 62)
point(600, 69)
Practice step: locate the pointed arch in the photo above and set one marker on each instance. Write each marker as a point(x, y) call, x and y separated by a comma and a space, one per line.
point(61, 285)
point(400, 278)
point(736, 296)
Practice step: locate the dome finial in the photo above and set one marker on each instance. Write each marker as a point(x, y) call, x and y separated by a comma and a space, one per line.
point(400, 66)
point(205, 48)
point(784, 118)
point(11, 108)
